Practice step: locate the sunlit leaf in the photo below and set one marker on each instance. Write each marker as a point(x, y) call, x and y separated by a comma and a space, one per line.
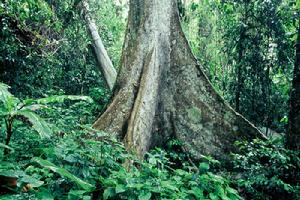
point(120, 189)
point(58, 99)
point(109, 192)
point(145, 196)
point(8, 100)
point(38, 123)
point(32, 181)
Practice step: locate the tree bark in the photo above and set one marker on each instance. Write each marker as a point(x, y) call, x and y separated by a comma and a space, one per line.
point(293, 130)
point(162, 92)
point(104, 62)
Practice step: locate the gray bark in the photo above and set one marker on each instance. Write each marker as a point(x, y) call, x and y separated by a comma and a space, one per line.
point(162, 92)
point(104, 62)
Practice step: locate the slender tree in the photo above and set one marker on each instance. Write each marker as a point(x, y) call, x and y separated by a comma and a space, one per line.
point(162, 92)
point(293, 130)
point(104, 62)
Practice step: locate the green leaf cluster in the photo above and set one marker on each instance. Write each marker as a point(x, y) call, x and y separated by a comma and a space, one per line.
point(267, 170)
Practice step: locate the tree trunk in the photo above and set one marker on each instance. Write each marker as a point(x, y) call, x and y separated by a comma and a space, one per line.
point(239, 81)
point(104, 63)
point(293, 130)
point(240, 63)
point(162, 92)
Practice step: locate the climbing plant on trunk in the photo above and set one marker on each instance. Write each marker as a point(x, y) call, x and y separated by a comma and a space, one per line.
point(162, 92)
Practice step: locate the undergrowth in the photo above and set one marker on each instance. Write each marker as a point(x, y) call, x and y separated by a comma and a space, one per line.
point(77, 167)
point(77, 162)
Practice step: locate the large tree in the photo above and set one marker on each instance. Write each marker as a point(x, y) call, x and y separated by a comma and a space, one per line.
point(293, 130)
point(161, 91)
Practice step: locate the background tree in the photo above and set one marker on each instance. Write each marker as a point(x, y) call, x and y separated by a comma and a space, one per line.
point(246, 48)
point(293, 135)
point(104, 62)
point(258, 55)
point(54, 33)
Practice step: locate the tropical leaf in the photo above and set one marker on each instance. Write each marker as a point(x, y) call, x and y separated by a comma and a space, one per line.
point(58, 99)
point(4, 93)
point(145, 196)
point(11, 173)
point(64, 173)
point(32, 181)
point(108, 192)
point(38, 123)
point(44, 194)
point(8, 100)
point(34, 107)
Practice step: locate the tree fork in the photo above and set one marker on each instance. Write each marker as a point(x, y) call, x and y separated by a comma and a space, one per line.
point(161, 89)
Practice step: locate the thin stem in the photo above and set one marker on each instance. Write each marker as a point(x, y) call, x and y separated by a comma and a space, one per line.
point(9, 125)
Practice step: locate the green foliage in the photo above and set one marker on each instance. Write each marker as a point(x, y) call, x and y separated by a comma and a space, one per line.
point(266, 170)
point(78, 168)
point(247, 50)
point(46, 53)
point(72, 166)
point(10, 170)
point(12, 109)
point(203, 29)
point(37, 123)
point(155, 179)
point(64, 173)
point(46, 47)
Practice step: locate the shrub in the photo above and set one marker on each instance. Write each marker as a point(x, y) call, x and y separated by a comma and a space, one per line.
point(81, 168)
point(267, 170)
